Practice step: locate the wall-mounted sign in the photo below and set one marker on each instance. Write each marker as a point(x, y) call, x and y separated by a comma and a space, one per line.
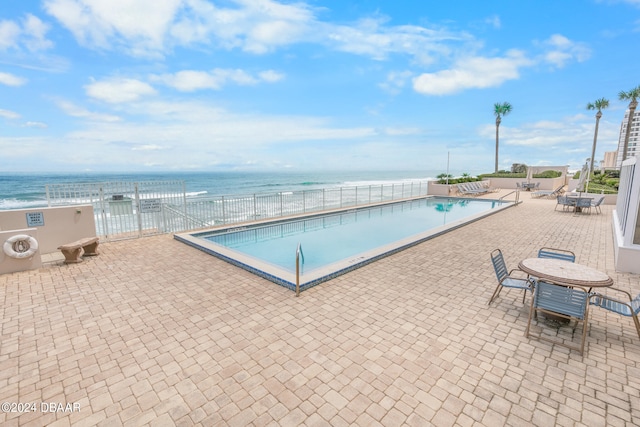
point(35, 219)
point(150, 205)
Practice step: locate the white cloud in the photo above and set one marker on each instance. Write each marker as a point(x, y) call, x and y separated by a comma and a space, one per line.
point(118, 90)
point(191, 80)
point(9, 114)
point(35, 32)
point(138, 26)
point(38, 125)
point(472, 73)
point(494, 21)
point(11, 80)
point(153, 27)
point(271, 76)
point(396, 80)
point(31, 34)
point(9, 33)
point(75, 111)
point(561, 50)
point(371, 37)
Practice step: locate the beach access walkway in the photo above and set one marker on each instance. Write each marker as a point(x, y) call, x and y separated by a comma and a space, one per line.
point(153, 332)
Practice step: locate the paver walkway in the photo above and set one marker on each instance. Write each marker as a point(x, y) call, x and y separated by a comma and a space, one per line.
point(153, 332)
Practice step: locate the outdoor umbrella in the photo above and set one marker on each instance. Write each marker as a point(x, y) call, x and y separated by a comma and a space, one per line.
point(584, 173)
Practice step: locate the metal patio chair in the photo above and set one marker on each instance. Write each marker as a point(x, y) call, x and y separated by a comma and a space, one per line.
point(506, 278)
point(582, 204)
point(562, 201)
point(562, 254)
point(624, 308)
point(596, 204)
point(562, 302)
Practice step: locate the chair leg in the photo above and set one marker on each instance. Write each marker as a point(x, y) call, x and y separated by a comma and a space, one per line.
point(635, 320)
point(585, 323)
point(495, 294)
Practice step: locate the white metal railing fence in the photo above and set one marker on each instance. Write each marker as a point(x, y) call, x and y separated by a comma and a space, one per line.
point(134, 209)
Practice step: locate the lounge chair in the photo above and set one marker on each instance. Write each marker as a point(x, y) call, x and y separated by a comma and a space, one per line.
point(472, 188)
point(542, 193)
point(506, 279)
point(563, 302)
point(624, 308)
point(596, 204)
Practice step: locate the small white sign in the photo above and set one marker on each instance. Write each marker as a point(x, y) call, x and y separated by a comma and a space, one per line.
point(35, 219)
point(150, 205)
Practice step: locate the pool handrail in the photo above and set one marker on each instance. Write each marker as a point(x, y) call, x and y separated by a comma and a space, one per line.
point(299, 254)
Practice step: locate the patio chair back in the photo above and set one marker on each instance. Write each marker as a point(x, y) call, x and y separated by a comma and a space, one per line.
point(583, 203)
point(597, 204)
point(499, 266)
point(505, 278)
point(562, 254)
point(564, 302)
point(561, 201)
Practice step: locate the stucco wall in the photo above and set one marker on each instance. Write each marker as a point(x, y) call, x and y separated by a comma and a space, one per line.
point(55, 226)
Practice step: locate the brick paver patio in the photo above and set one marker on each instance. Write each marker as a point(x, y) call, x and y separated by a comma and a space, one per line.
point(153, 332)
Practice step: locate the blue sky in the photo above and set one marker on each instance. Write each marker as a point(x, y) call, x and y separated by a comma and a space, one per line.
point(155, 85)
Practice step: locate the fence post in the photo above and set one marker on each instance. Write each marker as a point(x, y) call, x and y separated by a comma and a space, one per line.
point(105, 225)
point(138, 213)
point(224, 213)
point(184, 200)
point(255, 212)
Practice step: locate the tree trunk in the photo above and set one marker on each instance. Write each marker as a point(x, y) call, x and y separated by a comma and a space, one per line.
point(497, 130)
point(595, 138)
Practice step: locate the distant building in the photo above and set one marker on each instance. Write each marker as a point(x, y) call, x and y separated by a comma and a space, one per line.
point(633, 149)
point(610, 159)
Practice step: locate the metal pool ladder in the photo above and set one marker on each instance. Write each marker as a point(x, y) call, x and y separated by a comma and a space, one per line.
point(299, 256)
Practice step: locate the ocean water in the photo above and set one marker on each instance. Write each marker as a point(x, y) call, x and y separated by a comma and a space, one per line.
point(22, 190)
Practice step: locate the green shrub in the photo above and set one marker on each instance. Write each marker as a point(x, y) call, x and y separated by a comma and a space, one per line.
point(502, 174)
point(548, 174)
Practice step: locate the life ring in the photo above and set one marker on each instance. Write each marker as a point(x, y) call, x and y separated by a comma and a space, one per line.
point(20, 246)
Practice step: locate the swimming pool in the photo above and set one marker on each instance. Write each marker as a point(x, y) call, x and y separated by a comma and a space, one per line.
point(337, 242)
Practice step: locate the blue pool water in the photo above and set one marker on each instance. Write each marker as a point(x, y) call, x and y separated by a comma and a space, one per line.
point(334, 243)
point(331, 238)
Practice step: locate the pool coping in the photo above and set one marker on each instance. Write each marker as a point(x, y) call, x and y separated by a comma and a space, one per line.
point(319, 275)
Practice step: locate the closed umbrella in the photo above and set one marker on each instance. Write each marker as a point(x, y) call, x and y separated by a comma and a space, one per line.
point(584, 173)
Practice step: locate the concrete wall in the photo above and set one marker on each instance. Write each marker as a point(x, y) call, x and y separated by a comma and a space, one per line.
point(55, 226)
point(435, 189)
point(510, 183)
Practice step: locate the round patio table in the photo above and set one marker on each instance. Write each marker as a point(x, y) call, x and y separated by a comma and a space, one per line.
point(565, 272)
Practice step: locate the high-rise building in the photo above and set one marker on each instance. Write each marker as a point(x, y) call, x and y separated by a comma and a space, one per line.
point(633, 149)
point(610, 158)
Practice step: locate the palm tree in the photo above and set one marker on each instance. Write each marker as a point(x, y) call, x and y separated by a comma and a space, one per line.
point(633, 95)
point(599, 104)
point(500, 110)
